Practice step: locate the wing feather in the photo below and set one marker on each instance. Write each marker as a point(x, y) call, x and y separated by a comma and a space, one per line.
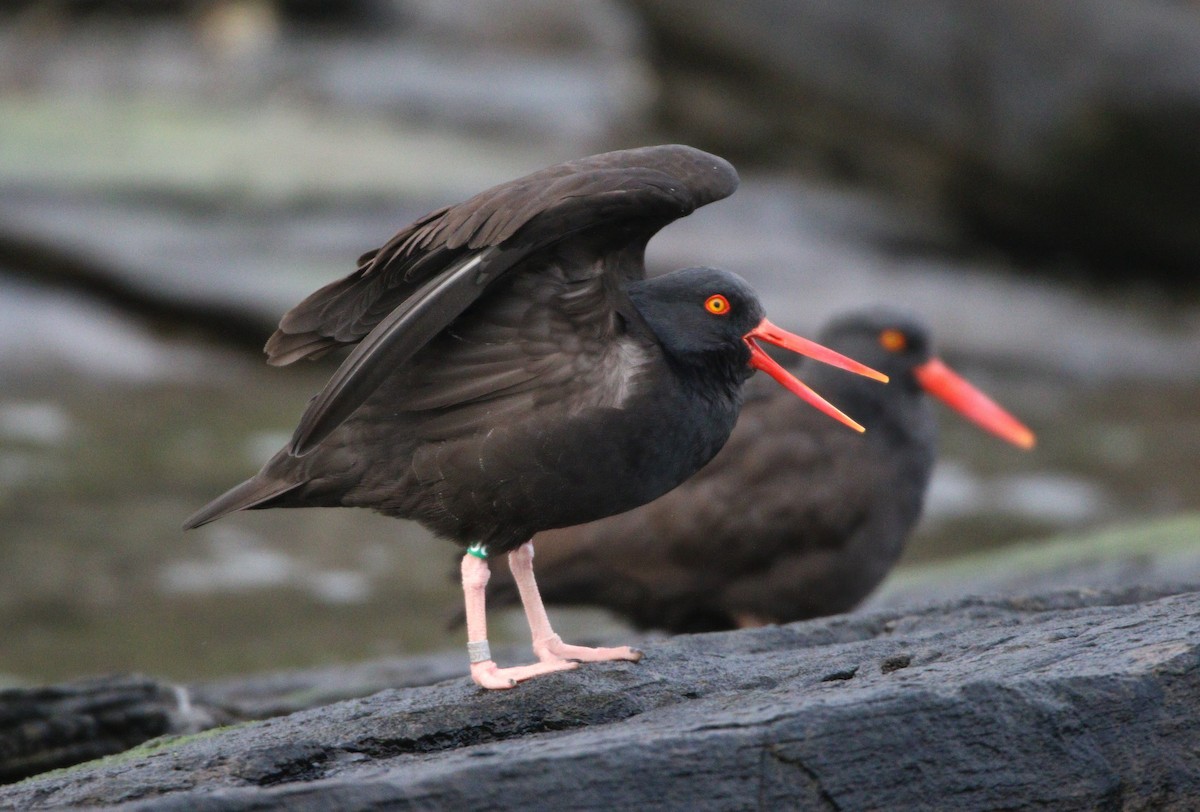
point(597, 212)
point(650, 186)
point(390, 344)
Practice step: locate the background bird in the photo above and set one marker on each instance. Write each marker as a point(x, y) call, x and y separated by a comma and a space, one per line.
point(795, 517)
point(514, 371)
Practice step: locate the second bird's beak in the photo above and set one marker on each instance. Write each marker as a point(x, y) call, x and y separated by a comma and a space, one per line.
point(765, 331)
point(952, 389)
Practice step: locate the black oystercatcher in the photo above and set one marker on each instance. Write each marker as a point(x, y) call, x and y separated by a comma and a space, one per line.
point(794, 518)
point(515, 372)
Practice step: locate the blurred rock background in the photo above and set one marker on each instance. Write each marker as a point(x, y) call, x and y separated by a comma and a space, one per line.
point(175, 174)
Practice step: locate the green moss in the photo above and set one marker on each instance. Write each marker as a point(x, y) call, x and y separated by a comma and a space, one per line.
point(1175, 536)
point(143, 750)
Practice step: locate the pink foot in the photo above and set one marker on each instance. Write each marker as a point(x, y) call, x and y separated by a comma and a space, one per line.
point(553, 648)
point(749, 620)
point(488, 675)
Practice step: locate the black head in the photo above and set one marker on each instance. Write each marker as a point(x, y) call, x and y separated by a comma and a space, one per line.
point(898, 344)
point(895, 342)
point(713, 322)
point(699, 313)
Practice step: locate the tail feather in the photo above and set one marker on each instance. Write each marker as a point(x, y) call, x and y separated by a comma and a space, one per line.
point(251, 493)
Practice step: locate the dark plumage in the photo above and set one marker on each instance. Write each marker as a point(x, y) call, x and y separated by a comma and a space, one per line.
point(795, 517)
point(514, 371)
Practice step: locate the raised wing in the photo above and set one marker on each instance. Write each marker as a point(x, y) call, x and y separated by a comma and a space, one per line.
point(405, 293)
point(644, 188)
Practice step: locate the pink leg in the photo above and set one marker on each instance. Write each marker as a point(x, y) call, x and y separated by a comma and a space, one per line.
point(475, 575)
point(547, 645)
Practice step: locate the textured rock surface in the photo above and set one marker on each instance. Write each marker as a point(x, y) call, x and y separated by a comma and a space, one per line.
point(53, 726)
point(1076, 700)
point(60, 725)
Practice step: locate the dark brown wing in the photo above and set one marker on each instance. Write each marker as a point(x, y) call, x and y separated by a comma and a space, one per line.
point(651, 186)
point(546, 343)
point(407, 292)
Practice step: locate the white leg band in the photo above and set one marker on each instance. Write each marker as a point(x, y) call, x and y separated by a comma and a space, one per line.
point(478, 651)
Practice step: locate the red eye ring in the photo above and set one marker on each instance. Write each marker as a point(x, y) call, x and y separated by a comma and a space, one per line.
point(717, 304)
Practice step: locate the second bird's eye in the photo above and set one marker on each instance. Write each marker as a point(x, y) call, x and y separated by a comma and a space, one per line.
point(893, 340)
point(717, 304)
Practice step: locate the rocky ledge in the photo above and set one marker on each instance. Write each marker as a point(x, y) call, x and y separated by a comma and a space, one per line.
point(1073, 700)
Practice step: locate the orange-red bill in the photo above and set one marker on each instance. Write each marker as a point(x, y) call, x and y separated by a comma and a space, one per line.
point(782, 338)
point(952, 389)
point(790, 341)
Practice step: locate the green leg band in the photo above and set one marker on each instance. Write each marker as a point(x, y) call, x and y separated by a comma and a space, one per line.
point(478, 550)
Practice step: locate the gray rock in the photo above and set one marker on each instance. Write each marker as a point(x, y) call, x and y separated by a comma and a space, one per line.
point(262, 696)
point(1060, 126)
point(1071, 701)
point(1161, 556)
point(60, 725)
point(54, 726)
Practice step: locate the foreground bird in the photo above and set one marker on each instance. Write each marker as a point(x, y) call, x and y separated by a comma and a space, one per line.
point(794, 518)
point(515, 372)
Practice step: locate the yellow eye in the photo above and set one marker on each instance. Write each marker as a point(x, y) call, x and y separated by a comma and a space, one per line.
point(893, 340)
point(717, 304)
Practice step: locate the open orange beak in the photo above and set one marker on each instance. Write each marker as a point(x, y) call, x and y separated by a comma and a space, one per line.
point(952, 389)
point(765, 331)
